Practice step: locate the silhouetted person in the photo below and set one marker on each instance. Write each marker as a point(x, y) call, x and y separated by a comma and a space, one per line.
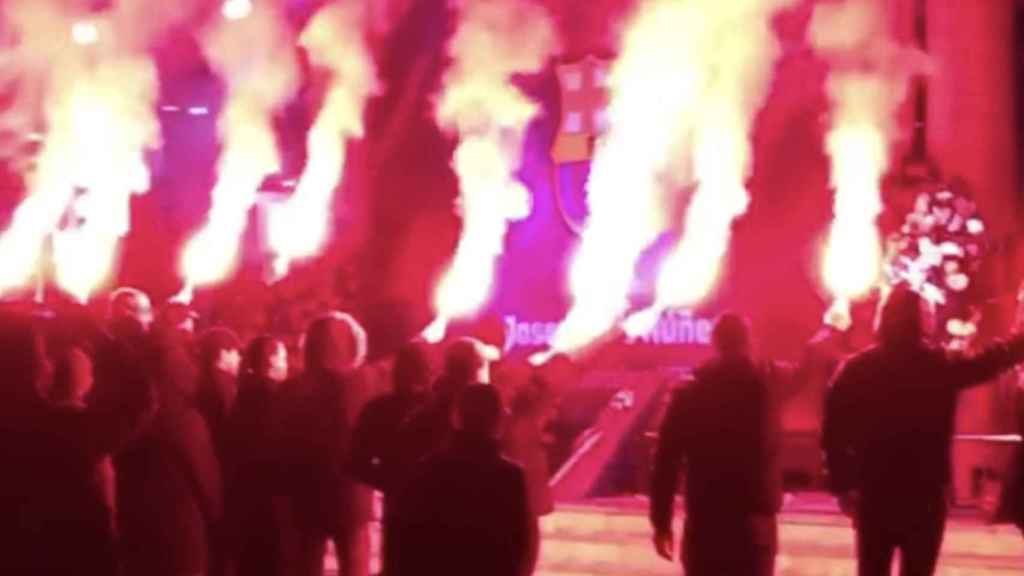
point(258, 517)
point(465, 511)
point(54, 514)
point(219, 362)
point(724, 428)
point(429, 428)
point(322, 407)
point(219, 365)
point(123, 352)
point(72, 381)
point(169, 488)
point(176, 324)
point(129, 317)
point(376, 440)
point(888, 431)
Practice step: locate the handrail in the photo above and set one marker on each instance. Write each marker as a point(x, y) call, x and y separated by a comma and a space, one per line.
point(588, 445)
point(993, 438)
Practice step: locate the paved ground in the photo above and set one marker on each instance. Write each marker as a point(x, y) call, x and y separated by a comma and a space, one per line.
point(612, 537)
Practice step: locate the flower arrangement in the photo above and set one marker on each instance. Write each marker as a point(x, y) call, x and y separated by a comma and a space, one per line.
point(937, 251)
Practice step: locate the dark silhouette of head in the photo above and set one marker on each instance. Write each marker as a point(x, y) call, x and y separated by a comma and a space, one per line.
point(219, 352)
point(335, 343)
point(731, 335)
point(130, 314)
point(464, 360)
point(479, 411)
point(178, 320)
point(902, 318)
point(266, 359)
point(412, 371)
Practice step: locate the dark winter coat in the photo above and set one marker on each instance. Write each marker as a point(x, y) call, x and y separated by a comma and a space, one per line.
point(320, 411)
point(724, 428)
point(889, 420)
point(258, 519)
point(464, 513)
point(169, 494)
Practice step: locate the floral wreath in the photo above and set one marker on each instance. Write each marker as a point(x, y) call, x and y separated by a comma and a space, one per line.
point(938, 251)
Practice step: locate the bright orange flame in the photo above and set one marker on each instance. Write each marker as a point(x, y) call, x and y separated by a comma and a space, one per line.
point(656, 85)
point(687, 86)
point(864, 101)
point(739, 67)
point(113, 123)
point(494, 42)
point(98, 109)
point(692, 269)
point(853, 258)
point(254, 55)
point(334, 39)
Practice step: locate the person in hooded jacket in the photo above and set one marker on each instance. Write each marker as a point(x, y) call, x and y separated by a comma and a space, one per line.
point(465, 510)
point(321, 408)
point(124, 349)
point(169, 487)
point(375, 446)
point(429, 428)
point(257, 514)
point(219, 364)
point(724, 428)
point(888, 433)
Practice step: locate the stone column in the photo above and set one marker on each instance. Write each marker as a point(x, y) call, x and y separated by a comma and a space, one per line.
point(973, 135)
point(973, 102)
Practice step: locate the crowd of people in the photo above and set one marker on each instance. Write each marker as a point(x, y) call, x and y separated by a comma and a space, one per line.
point(887, 437)
point(135, 446)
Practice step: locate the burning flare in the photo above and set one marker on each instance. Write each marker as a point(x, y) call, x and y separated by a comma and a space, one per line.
point(859, 152)
point(93, 86)
point(655, 87)
point(495, 41)
point(739, 68)
point(684, 93)
point(335, 41)
point(255, 57)
point(864, 100)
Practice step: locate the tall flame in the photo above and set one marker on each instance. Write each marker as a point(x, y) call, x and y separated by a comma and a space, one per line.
point(864, 101)
point(255, 57)
point(99, 90)
point(740, 69)
point(495, 41)
point(859, 150)
point(684, 91)
point(655, 87)
point(335, 41)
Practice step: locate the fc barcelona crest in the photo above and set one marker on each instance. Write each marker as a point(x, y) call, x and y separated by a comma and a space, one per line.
point(584, 95)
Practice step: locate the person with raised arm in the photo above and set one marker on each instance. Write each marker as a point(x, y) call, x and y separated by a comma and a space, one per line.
point(888, 434)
